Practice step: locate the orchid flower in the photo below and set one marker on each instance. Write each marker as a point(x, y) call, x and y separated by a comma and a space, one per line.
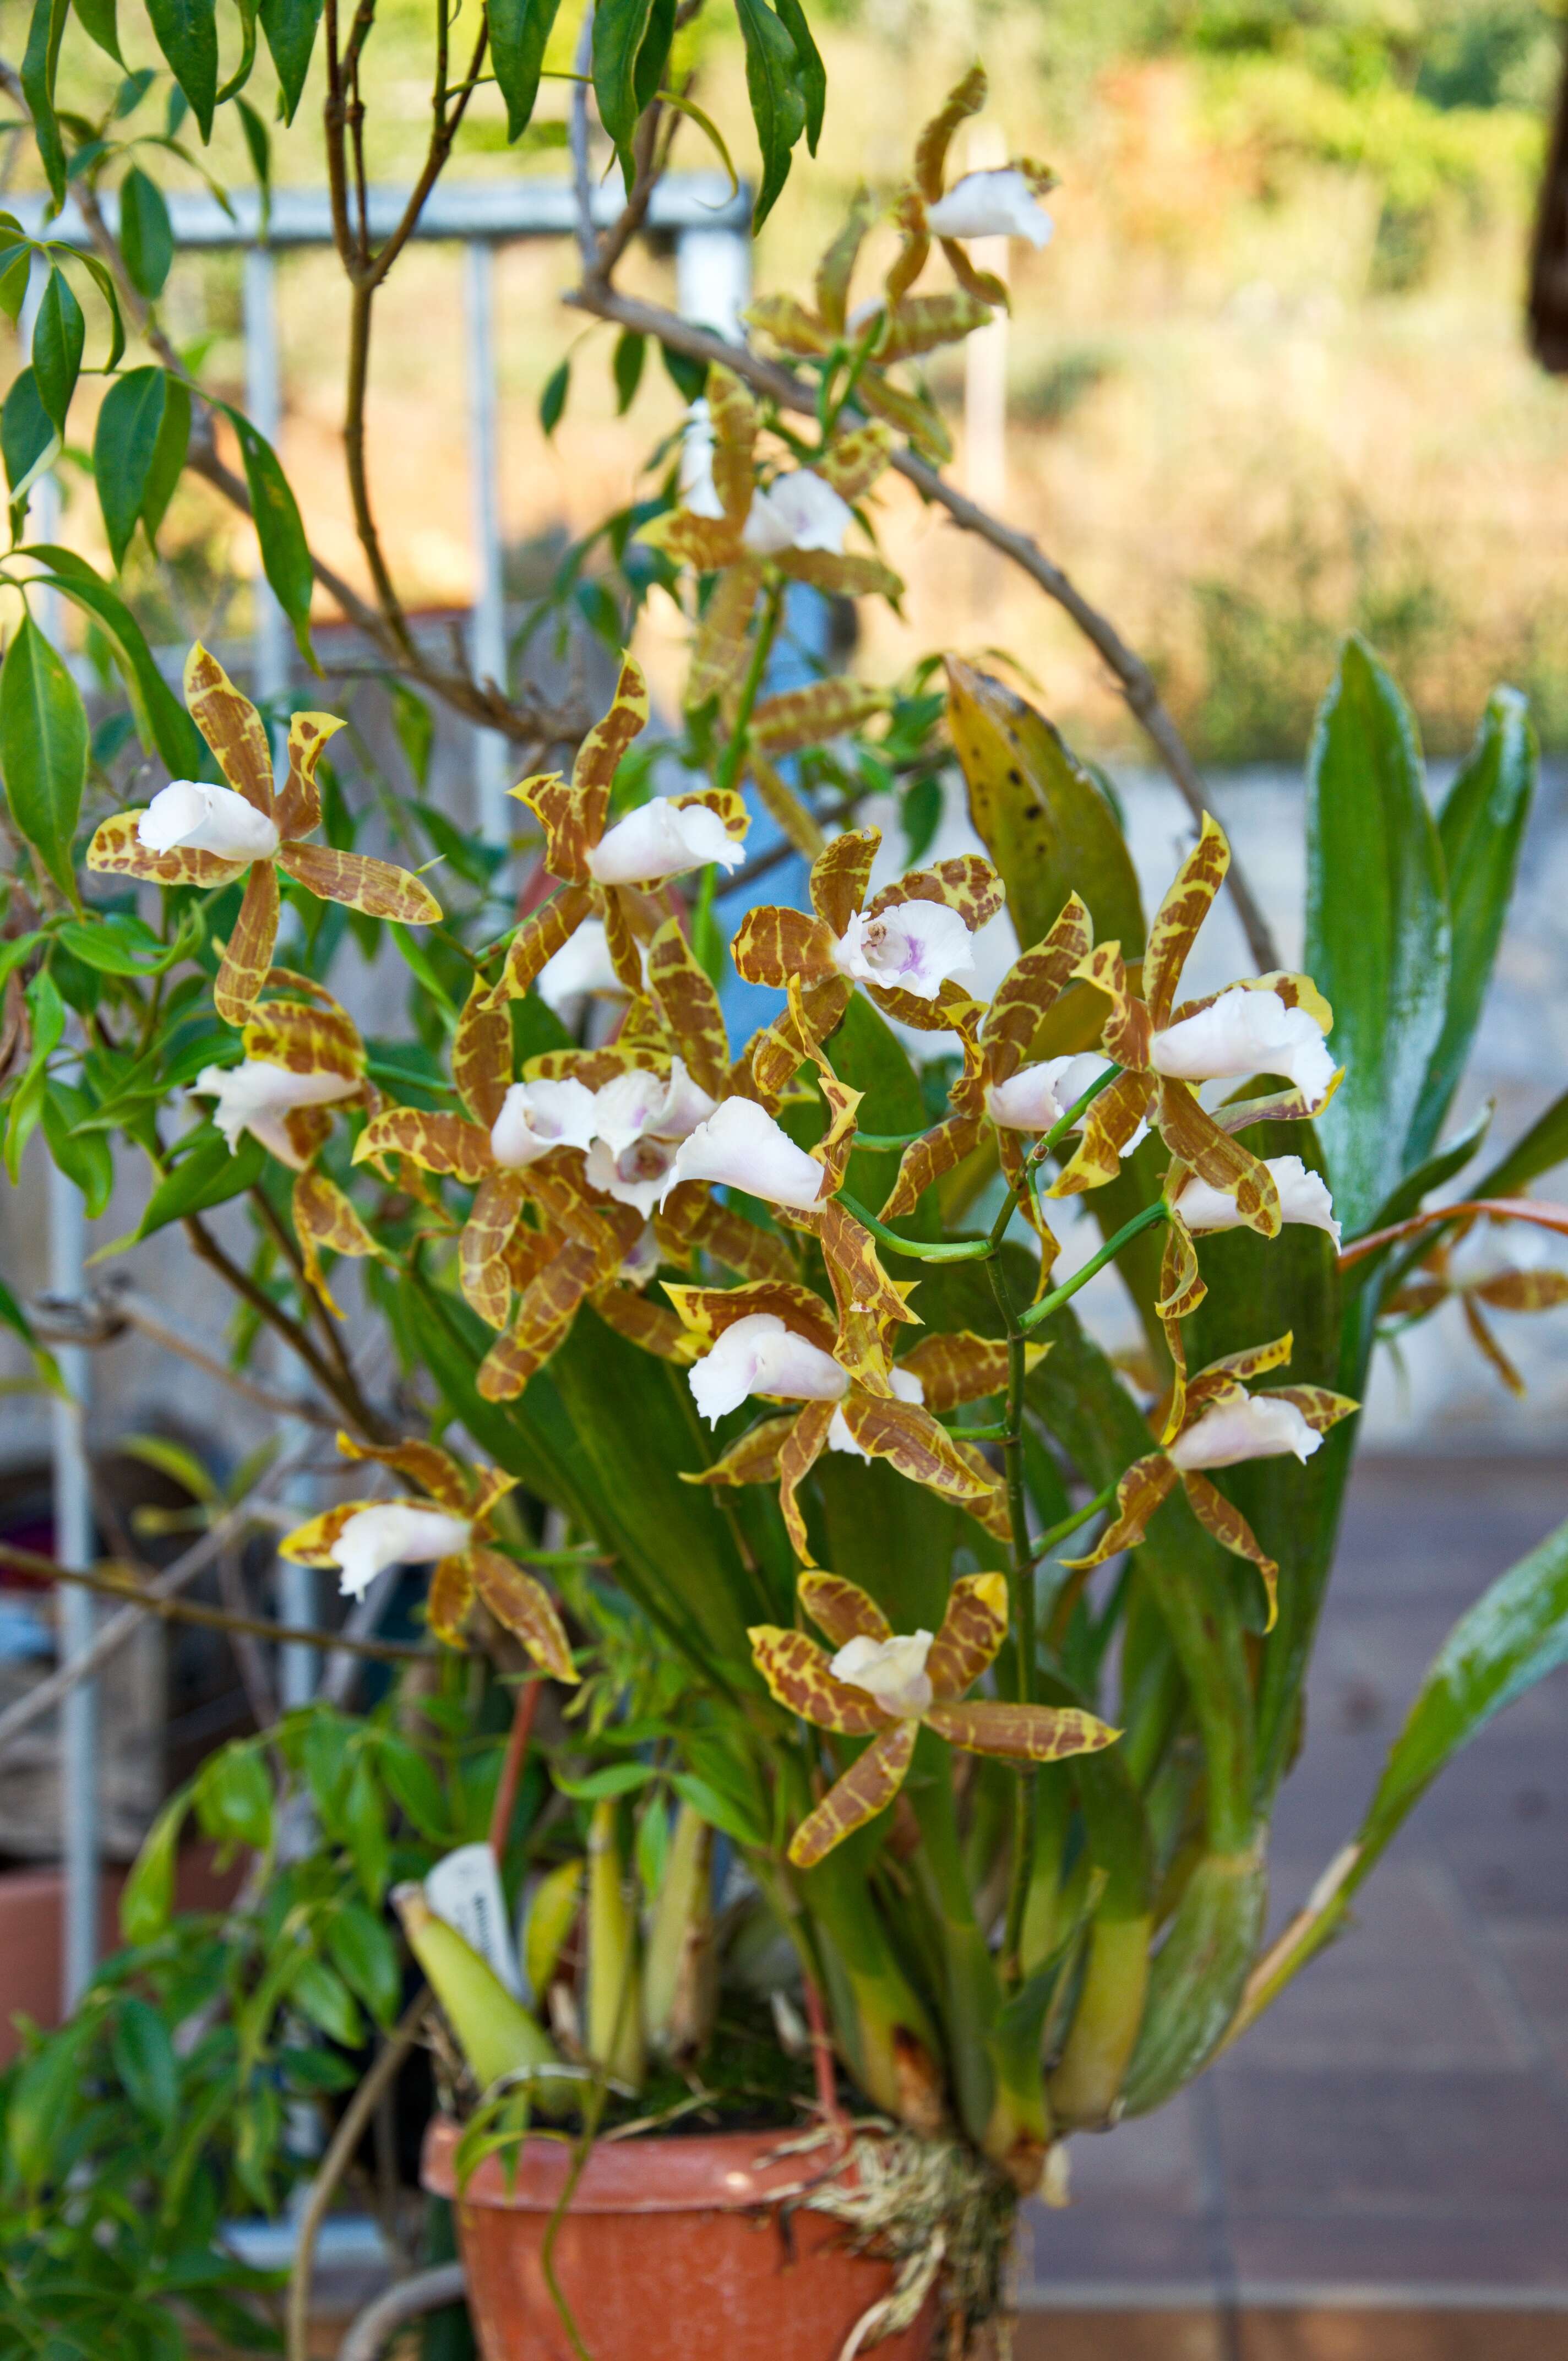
point(639, 1121)
point(887, 1686)
point(1275, 1024)
point(538, 1116)
point(1216, 1422)
point(907, 945)
point(780, 1341)
point(1002, 202)
point(1303, 1197)
point(192, 834)
point(258, 1098)
point(452, 1525)
point(609, 871)
point(799, 510)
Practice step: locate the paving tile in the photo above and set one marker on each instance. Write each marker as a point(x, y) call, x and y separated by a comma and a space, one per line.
point(1152, 2160)
point(1507, 2248)
point(1500, 1820)
point(1467, 2139)
point(1377, 2335)
point(1535, 1960)
point(1121, 2336)
point(1400, 1990)
point(1442, 1527)
point(1110, 2243)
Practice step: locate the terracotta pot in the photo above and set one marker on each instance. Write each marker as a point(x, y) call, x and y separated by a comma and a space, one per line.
point(671, 2251)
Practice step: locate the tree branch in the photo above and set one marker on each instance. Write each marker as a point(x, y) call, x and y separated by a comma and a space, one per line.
point(1134, 678)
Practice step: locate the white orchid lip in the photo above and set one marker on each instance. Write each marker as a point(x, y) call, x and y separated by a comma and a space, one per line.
point(189, 815)
point(664, 1106)
point(637, 1176)
point(997, 203)
point(660, 840)
point(1303, 1198)
point(1261, 1427)
point(536, 1117)
point(394, 1532)
point(1037, 1097)
point(580, 969)
point(760, 1355)
point(741, 1147)
point(799, 511)
point(910, 947)
point(1245, 1033)
point(891, 1671)
point(700, 493)
point(906, 1387)
point(258, 1098)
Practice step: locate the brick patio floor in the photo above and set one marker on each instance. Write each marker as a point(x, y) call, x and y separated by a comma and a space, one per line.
point(1396, 2127)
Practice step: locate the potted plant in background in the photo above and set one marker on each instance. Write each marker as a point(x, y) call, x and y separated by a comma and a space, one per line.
point(866, 1841)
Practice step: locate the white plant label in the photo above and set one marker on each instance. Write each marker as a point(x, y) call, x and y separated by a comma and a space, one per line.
point(464, 1889)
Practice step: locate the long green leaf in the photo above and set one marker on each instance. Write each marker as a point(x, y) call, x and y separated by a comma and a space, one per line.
point(778, 103)
point(285, 552)
point(809, 69)
point(160, 719)
point(210, 1173)
point(1543, 1147)
point(187, 33)
point(620, 29)
point(1377, 927)
point(520, 35)
point(45, 29)
point(291, 29)
point(169, 459)
point(125, 444)
point(147, 234)
point(58, 339)
point(43, 749)
point(1481, 829)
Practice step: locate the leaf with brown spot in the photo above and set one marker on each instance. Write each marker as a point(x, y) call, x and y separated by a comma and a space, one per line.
point(481, 1054)
point(798, 1455)
point(688, 1003)
point(1109, 1124)
point(315, 1541)
point(1186, 904)
point(377, 887)
point(867, 1788)
point(961, 1367)
point(1021, 1733)
point(248, 952)
point(910, 1440)
point(117, 851)
point(232, 728)
point(300, 804)
point(841, 1608)
point(450, 1597)
point(425, 1464)
point(773, 944)
point(926, 1158)
point(840, 876)
point(1032, 986)
point(1232, 1530)
point(754, 1459)
point(973, 1631)
point(800, 1676)
point(1145, 1484)
point(305, 1039)
point(810, 715)
point(483, 1272)
point(435, 1139)
point(520, 1601)
point(546, 1311)
point(853, 461)
point(1190, 1133)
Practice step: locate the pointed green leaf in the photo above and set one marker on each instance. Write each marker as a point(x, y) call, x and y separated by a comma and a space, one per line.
point(619, 29)
point(40, 60)
point(84, 1157)
point(58, 339)
point(778, 104)
point(208, 1174)
point(29, 440)
point(147, 235)
point(98, 21)
point(125, 444)
point(161, 720)
point(43, 749)
point(809, 69)
point(169, 457)
point(144, 2060)
point(630, 350)
point(520, 35)
point(285, 553)
point(552, 401)
point(291, 29)
point(1543, 1147)
point(187, 33)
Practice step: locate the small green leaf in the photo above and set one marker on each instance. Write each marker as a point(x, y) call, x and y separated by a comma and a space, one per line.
point(28, 439)
point(58, 339)
point(520, 34)
point(413, 1785)
point(161, 720)
point(326, 1999)
point(84, 1157)
point(148, 1896)
point(687, 376)
point(285, 552)
point(619, 29)
point(615, 1779)
point(552, 401)
point(125, 446)
point(39, 62)
point(43, 749)
point(233, 1798)
point(259, 145)
point(809, 69)
point(187, 33)
point(144, 2059)
point(209, 1173)
point(778, 104)
point(1543, 1147)
point(147, 234)
point(169, 457)
point(117, 943)
point(728, 1813)
point(38, 2112)
point(98, 21)
point(290, 27)
point(630, 351)
point(366, 1958)
point(415, 726)
point(655, 54)
point(365, 1825)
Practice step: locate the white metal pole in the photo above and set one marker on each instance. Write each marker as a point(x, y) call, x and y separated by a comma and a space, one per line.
point(487, 642)
point(264, 406)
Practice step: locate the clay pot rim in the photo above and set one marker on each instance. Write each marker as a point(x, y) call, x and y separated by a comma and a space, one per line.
point(696, 2172)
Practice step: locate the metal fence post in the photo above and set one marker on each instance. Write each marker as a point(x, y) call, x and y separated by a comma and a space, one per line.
point(264, 407)
point(487, 644)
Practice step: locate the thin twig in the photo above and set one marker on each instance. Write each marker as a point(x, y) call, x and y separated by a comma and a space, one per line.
point(349, 1397)
point(145, 1317)
point(370, 2333)
point(1133, 676)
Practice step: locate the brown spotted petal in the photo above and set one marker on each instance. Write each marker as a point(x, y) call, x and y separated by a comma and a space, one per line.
point(911, 1440)
point(1274, 1106)
point(1180, 915)
point(708, 1312)
point(734, 417)
point(991, 1510)
point(790, 325)
point(433, 1138)
point(798, 1455)
point(854, 1267)
point(600, 755)
point(754, 1459)
point(967, 884)
point(300, 804)
point(840, 876)
point(117, 849)
point(377, 887)
point(1022, 1174)
point(1127, 1032)
point(1321, 1408)
point(449, 1597)
point(646, 1324)
point(315, 1541)
point(841, 1608)
point(325, 1222)
point(853, 461)
point(806, 717)
point(539, 939)
point(1482, 1336)
point(1227, 1375)
point(966, 98)
point(1232, 1532)
point(305, 1039)
point(520, 1601)
point(425, 1464)
point(481, 1054)
point(911, 412)
point(867, 1788)
point(483, 1272)
point(720, 650)
point(685, 999)
point(1541, 1289)
point(1032, 986)
point(837, 266)
point(926, 1158)
point(248, 953)
point(1021, 1733)
point(232, 728)
point(801, 1677)
point(546, 1311)
point(1146, 1483)
point(1190, 1133)
point(921, 322)
point(1109, 1124)
point(852, 576)
point(962, 1368)
point(973, 1631)
point(705, 544)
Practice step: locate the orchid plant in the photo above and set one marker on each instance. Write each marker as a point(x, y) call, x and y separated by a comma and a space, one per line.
point(700, 1347)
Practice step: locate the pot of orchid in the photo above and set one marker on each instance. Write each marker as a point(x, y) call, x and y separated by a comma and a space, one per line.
point(834, 1768)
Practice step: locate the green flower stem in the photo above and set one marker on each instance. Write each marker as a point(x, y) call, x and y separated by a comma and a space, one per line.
point(734, 757)
point(949, 1250)
point(1047, 1146)
point(1158, 1211)
point(1048, 1541)
point(1025, 1611)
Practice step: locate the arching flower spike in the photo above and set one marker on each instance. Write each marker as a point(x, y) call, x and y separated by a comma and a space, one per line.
point(886, 1686)
point(192, 834)
point(451, 1525)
